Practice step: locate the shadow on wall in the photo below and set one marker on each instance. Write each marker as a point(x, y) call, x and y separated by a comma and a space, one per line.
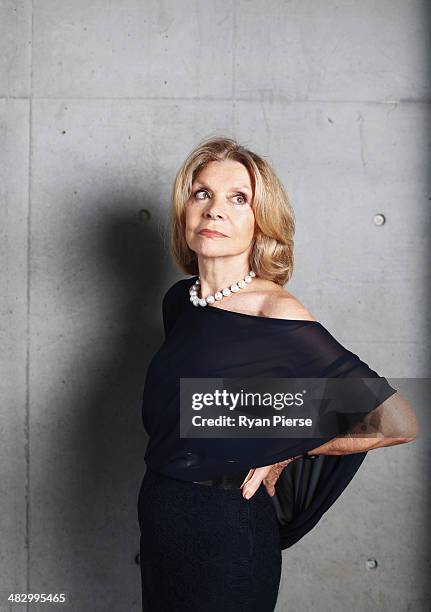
point(119, 265)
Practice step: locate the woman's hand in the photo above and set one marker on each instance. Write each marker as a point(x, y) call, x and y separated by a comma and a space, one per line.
point(268, 474)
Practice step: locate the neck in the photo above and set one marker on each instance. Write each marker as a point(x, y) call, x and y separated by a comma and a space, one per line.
point(217, 273)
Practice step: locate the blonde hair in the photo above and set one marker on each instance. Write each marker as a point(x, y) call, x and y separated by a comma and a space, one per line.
point(272, 255)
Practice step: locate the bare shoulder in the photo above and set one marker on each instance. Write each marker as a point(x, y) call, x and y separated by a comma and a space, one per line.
point(267, 299)
point(281, 304)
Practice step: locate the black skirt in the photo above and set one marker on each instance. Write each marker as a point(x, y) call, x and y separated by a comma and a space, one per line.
point(205, 548)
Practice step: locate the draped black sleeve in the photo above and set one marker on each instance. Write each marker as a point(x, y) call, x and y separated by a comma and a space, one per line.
point(209, 342)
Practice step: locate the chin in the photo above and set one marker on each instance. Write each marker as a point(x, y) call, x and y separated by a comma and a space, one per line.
point(209, 252)
point(208, 248)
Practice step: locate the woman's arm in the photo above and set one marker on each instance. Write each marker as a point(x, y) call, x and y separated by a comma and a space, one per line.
point(393, 422)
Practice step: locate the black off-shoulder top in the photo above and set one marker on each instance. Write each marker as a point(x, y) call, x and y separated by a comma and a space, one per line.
point(207, 342)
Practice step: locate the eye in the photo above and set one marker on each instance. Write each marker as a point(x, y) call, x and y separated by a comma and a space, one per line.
point(241, 195)
point(199, 191)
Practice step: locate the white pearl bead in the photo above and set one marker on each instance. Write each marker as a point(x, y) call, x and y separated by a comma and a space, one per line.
point(202, 302)
point(226, 291)
point(195, 302)
point(251, 273)
point(218, 295)
point(210, 299)
point(247, 279)
point(234, 288)
point(241, 284)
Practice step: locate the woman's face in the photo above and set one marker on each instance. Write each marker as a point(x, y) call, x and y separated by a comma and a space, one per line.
point(220, 200)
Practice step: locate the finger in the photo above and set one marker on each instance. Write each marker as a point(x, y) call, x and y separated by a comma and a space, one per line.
point(247, 478)
point(270, 489)
point(253, 477)
point(254, 482)
point(271, 479)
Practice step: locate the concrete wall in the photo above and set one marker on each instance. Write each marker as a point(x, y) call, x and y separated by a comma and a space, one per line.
point(100, 103)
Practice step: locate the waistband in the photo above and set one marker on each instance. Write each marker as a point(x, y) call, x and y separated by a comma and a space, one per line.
point(225, 481)
point(214, 489)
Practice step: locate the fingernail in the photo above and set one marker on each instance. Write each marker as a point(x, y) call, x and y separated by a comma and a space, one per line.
point(247, 493)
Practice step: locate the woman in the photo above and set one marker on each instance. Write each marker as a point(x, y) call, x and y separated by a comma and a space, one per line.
point(215, 513)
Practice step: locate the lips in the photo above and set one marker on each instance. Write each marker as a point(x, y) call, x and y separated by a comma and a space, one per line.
point(207, 232)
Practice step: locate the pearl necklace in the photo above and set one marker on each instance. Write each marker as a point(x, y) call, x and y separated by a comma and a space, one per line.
point(219, 295)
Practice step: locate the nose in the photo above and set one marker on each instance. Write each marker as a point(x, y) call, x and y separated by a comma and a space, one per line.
point(214, 209)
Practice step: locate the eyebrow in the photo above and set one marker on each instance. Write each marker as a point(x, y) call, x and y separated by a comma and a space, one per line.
point(199, 184)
